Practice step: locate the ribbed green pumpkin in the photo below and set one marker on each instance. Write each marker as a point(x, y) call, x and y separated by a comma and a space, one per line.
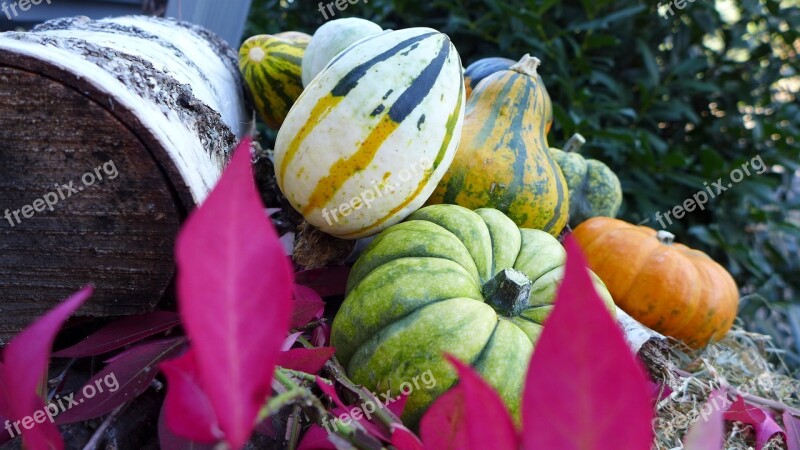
point(430, 285)
point(594, 188)
point(271, 67)
point(366, 143)
point(503, 160)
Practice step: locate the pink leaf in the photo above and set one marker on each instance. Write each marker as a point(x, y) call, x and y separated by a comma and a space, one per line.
point(762, 421)
point(479, 402)
point(321, 335)
point(329, 390)
point(235, 290)
point(404, 439)
point(125, 378)
point(792, 425)
point(25, 361)
point(441, 427)
point(708, 433)
point(121, 333)
point(327, 281)
point(572, 398)
point(188, 410)
point(307, 306)
point(290, 341)
point(169, 440)
point(397, 406)
point(308, 360)
point(316, 438)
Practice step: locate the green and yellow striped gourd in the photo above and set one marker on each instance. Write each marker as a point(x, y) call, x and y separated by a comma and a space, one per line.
point(503, 160)
point(372, 135)
point(469, 283)
point(272, 69)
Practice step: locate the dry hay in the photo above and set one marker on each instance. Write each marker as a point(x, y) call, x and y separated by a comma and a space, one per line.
point(738, 361)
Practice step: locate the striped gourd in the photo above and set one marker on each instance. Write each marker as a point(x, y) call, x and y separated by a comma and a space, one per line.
point(272, 67)
point(503, 161)
point(372, 135)
point(330, 39)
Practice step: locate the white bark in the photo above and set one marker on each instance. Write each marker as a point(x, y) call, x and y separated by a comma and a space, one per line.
point(181, 82)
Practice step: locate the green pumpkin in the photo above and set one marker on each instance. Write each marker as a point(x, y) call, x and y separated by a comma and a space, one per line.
point(594, 189)
point(469, 283)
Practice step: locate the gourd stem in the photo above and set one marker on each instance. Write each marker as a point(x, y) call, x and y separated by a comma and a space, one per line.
point(665, 237)
point(508, 292)
point(527, 65)
point(574, 143)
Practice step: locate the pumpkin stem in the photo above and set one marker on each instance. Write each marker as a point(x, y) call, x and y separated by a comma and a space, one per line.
point(665, 237)
point(527, 65)
point(508, 292)
point(574, 143)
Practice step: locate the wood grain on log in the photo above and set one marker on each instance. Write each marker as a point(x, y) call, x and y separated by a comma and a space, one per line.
point(159, 102)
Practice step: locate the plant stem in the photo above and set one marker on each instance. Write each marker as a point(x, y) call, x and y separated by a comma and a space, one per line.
point(385, 417)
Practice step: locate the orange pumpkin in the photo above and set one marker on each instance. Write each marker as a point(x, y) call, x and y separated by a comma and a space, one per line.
point(671, 288)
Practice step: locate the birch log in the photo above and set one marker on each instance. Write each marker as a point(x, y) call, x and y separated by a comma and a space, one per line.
point(159, 102)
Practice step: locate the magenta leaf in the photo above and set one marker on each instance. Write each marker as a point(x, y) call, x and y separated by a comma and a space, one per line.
point(404, 439)
point(308, 360)
point(169, 440)
point(792, 425)
point(24, 367)
point(572, 398)
point(307, 306)
point(327, 281)
point(397, 406)
point(235, 297)
point(441, 426)
point(120, 333)
point(329, 390)
point(708, 433)
point(126, 377)
point(188, 410)
point(290, 340)
point(479, 402)
point(762, 421)
point(321, 336)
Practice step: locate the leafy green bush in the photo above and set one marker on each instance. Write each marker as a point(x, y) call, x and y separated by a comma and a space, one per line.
point(670, 101)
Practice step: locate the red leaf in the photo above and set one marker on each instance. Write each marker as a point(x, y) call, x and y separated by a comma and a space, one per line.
point(169, 440)
point(321, 335)
point(404, 439)
point(441, 425)
point(316, 438)
point(235, 296)
point(572, 398)
point(792, 425)
point(760, 419)
point(308, 360)
point(708, 433)
point(327, 281)
point(126, 377)
point(24, 367)
point(307, 306)
point(397, 406)
point(479, 402)
point(189, 412)
point(330, 391)
point(121, 333)
point(290, 340)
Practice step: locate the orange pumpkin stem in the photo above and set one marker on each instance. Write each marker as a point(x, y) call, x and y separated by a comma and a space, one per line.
point(665, 237)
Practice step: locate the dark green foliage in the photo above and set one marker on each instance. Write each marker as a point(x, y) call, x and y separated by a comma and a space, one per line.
point(667, 103)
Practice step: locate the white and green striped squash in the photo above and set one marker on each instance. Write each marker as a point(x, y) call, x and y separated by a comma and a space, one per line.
point(330, 39)
point(369, 139)
point(271, 68)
